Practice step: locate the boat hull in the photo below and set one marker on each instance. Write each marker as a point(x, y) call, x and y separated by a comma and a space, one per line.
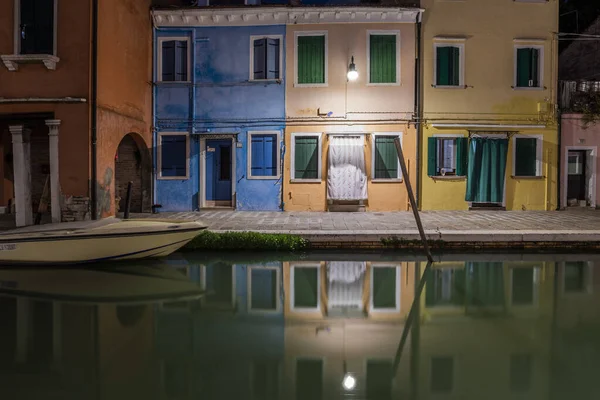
point(114, 242)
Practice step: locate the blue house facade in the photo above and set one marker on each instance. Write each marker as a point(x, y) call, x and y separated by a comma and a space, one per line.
point(219, 111)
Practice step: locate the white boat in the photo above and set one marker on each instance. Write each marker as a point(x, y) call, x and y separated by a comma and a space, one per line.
point(108, 239)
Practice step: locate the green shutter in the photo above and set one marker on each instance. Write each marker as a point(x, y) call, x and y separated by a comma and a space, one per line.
point(382, 59)
point(462, 156)
point(432, 156)
point(386, 158)
point(523, 67)
point(448, 66)
point(311, 59)
point(534, 67)
point(455, 63)
point(306, 162)
point(525, 156)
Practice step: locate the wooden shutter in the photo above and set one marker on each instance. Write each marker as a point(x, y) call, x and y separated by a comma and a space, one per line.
point(168, 60)
point(260, 50)
point(273, 67)
point(306, 161)
point(311, 59)
point(462, 156)
point(264, 155)
point(181, 60)
point(523, 67)
point(454, 63)
point(534, 68)
point(443, 66)
point(432, 156)
point(382, 67)
point(525, 157)
point(386, 158)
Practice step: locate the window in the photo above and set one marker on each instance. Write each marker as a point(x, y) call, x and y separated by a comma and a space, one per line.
point(309, 379)
point(263, 160)
point(174, 60)
point(36, 29)
point(445, 287)
point(575, 164)
point(265, 57)
point(442, 374)
point(527, 155)
point(173, 155)
point(305, 287)
point(263, 289)
point(306, 157)
point(311, 59)
point(385, 164)
point(520, 372)
point(449, 64)
point(576, 277)
point(385, 289)
point(383, 51)
point(528, 66)
point(219, 283)
point(447, 155)
point(524, 286)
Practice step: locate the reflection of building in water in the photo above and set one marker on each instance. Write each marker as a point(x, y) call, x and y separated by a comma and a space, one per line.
point(229, 344)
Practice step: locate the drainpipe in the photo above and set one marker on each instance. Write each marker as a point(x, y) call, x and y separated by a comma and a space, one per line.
point(559, 159)
point(418, 108)
point(94, 190)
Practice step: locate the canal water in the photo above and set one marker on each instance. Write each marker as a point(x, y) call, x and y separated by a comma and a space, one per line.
point(315, 326)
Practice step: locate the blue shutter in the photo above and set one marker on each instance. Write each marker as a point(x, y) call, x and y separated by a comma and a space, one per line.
point(260, 49)
point(258, 168)
point(168, 61)
point(264, 155)
point(181, 61)
point(273, 59)
point(270, 154)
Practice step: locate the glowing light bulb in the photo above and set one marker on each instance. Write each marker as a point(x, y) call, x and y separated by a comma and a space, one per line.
point(352, 75)
point(349, 382)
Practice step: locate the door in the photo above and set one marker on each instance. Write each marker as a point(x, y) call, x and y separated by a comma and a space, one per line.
point(576, 178)
point(218, 172)
point(486, 171)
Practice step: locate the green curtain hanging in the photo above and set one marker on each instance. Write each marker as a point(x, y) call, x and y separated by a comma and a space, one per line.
point(486, 170)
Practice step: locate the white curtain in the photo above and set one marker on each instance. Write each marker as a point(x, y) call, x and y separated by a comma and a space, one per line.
point(345, 283)
point(347, 175)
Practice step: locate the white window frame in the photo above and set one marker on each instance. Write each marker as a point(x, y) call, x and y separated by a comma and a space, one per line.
point(537, 273)
point(159, 59)
point(319, 137)
point(187, 156)
point(388, 33)
point(277, 290)
point(372, 309)
point(249, 155)
point(319, 283)
point(539, 45)
point(311, 33)
point(373, 138)
point(281, 51)
point(538, 154)
point(454, 42)
point(17, 28)
point(449, 136)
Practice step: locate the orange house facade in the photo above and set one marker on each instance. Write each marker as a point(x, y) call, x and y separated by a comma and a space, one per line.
point(75, 110)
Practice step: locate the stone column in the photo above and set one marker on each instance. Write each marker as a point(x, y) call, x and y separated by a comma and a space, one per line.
point(53, 125)
point(22, 174)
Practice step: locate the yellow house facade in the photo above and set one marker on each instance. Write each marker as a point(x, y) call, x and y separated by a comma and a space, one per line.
point(489, 133)
point(339, 135)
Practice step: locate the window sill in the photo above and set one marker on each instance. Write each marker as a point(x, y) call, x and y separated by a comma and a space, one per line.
point(263, 178)
point(528, 88)
point(173, 82)
point(534, 178)
point(310, 85)
point(270, 81)
point(448, 178)
point(172, 178)
point(449, 87)
point(399, 180)
point(306, 180)
point(384, 84)
point(12, 61)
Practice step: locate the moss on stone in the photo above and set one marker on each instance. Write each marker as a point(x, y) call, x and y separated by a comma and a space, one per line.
point(247, 241)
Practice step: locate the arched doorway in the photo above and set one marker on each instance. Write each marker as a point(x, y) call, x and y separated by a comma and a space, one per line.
point(132, 164)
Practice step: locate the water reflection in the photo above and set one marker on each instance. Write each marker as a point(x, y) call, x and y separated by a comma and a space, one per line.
point(319, 327)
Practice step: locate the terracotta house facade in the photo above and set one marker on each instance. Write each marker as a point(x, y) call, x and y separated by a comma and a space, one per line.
point(75, 110)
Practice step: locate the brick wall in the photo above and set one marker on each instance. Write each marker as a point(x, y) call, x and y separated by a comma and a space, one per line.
point(128, 167)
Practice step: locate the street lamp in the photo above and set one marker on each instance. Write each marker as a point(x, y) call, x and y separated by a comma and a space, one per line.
point(352, 72)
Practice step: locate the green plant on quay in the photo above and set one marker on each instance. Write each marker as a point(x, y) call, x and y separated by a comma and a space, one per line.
point(247, 241)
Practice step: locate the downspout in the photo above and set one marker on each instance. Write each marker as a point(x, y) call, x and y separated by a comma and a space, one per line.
point(94, 186)
point(559, 159)
point(418, 108)
point(154, 131)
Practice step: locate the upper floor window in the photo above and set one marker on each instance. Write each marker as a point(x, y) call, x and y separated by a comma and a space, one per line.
point(449, 65)
point(36, 26)
point(383, 57)
point(528, 61)
point(174, 60)
point(266, 57)
point(311, 58)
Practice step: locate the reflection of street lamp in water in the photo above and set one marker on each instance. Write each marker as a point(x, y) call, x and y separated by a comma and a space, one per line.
point(349, 382)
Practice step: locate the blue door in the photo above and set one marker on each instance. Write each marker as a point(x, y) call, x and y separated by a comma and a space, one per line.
point(218, 171)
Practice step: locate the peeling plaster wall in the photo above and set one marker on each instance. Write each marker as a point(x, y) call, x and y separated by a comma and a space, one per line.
point(219, 100)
